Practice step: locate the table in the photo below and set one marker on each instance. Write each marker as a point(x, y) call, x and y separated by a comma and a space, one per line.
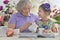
point(16, 37)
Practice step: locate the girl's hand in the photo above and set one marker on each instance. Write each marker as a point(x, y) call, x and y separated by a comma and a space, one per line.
point(46, 31)
point(54, 29)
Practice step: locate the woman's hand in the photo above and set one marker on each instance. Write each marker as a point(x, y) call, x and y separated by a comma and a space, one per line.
point(9, 32)
point(25, 26)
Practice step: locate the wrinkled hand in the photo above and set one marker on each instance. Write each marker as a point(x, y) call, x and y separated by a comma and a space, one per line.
point(9, 32)
point(25, 26)
point(28, 23)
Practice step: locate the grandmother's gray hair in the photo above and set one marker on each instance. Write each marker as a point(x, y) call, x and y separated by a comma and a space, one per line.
point(21, 3)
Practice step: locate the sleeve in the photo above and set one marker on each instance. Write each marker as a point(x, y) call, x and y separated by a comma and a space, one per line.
point(12, 19)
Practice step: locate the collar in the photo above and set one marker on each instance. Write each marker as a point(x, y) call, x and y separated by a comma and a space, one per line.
point(20, 14)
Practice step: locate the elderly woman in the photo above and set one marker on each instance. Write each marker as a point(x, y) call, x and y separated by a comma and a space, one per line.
point(22, 19)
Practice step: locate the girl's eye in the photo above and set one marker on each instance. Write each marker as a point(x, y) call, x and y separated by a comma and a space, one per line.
point(39, 10)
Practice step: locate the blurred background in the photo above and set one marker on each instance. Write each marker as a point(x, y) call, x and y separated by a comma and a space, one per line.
point(7, 8)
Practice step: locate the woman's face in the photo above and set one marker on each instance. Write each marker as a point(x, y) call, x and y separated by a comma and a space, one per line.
point(26, 9)
point(41, 13)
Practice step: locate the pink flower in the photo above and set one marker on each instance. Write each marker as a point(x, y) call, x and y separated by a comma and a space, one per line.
point(2, 18)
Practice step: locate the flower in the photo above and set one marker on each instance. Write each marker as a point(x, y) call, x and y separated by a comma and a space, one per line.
point(1, 8)
point(6, 1)
point(1, 18)
point(46, 6)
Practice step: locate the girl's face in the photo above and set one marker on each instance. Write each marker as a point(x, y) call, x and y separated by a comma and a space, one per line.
point(41, 13)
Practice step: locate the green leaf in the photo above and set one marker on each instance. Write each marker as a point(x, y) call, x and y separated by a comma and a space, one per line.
point(58, 18)
point(58, 22)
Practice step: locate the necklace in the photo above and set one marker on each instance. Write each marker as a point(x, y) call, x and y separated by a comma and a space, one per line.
point(46, 25)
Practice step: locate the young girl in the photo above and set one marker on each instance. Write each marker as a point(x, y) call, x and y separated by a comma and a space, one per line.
point(44, 22)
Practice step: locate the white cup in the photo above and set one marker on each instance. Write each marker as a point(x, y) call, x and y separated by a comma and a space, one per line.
point(16, 31)
point(41, 31)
